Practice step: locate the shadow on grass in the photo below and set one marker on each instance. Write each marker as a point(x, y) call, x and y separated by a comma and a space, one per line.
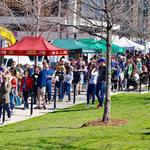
point(147, 98)
point(38, 129)
point(69, 110)
point(146, 133)
point(74, 109)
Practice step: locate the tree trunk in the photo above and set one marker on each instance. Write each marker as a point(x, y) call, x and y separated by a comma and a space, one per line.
point(107, 105)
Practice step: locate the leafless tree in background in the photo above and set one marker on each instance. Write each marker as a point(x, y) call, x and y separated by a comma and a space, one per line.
point(101, 19)
point(33, 16)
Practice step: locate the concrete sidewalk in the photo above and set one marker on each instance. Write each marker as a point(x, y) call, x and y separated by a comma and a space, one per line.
point(20, 114)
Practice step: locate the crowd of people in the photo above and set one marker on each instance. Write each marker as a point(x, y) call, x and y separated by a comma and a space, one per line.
point(18, 82)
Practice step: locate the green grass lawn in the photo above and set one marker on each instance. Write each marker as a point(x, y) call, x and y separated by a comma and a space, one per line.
point(60, 130)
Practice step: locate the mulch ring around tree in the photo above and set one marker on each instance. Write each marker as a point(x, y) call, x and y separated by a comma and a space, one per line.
point(112, 122)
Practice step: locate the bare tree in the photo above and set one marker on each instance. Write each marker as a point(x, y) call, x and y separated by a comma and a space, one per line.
point(97, 17)
point(100, 19)
point(34, 17)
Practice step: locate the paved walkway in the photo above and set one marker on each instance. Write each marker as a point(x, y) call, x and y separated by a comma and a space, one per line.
point(20, 114)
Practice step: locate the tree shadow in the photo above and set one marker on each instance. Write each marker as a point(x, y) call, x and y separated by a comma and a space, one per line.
point(147, 98)
point(38, 129)
point(69, 110)
point(146, 133)
point(74, 109)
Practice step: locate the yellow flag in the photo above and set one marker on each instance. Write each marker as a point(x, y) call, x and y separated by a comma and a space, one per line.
point(7, 35)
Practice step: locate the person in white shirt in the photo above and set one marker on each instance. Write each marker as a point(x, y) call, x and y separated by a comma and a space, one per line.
point(91, 90)
point(68, 81)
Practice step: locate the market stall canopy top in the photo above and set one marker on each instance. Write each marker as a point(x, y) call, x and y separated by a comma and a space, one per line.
point(70, 44)
point(100, 45)
point(33, 46)
point(126, 43)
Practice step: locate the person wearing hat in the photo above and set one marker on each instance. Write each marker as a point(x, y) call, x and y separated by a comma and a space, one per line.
point(101, 82)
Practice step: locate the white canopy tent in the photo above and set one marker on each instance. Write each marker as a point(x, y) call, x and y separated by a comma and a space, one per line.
point(126, 43)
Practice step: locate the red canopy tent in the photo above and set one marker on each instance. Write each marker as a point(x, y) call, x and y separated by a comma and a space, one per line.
point(33, 46)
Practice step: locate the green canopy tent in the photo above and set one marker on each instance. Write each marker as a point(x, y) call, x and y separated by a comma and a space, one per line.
point(76, 48)
point(100, 46)
point(72, 45)
point(91, 44)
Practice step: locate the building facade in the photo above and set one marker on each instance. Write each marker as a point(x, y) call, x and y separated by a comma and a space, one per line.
point(137, 20)
point(36, 17)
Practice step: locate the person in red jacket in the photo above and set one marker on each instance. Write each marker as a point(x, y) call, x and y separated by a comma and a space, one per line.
point(13, 80)
point(26, 86)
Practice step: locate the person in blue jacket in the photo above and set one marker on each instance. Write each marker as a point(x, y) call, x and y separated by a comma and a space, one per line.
point(41, 83)
point(101, 82)
point(49, 75)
